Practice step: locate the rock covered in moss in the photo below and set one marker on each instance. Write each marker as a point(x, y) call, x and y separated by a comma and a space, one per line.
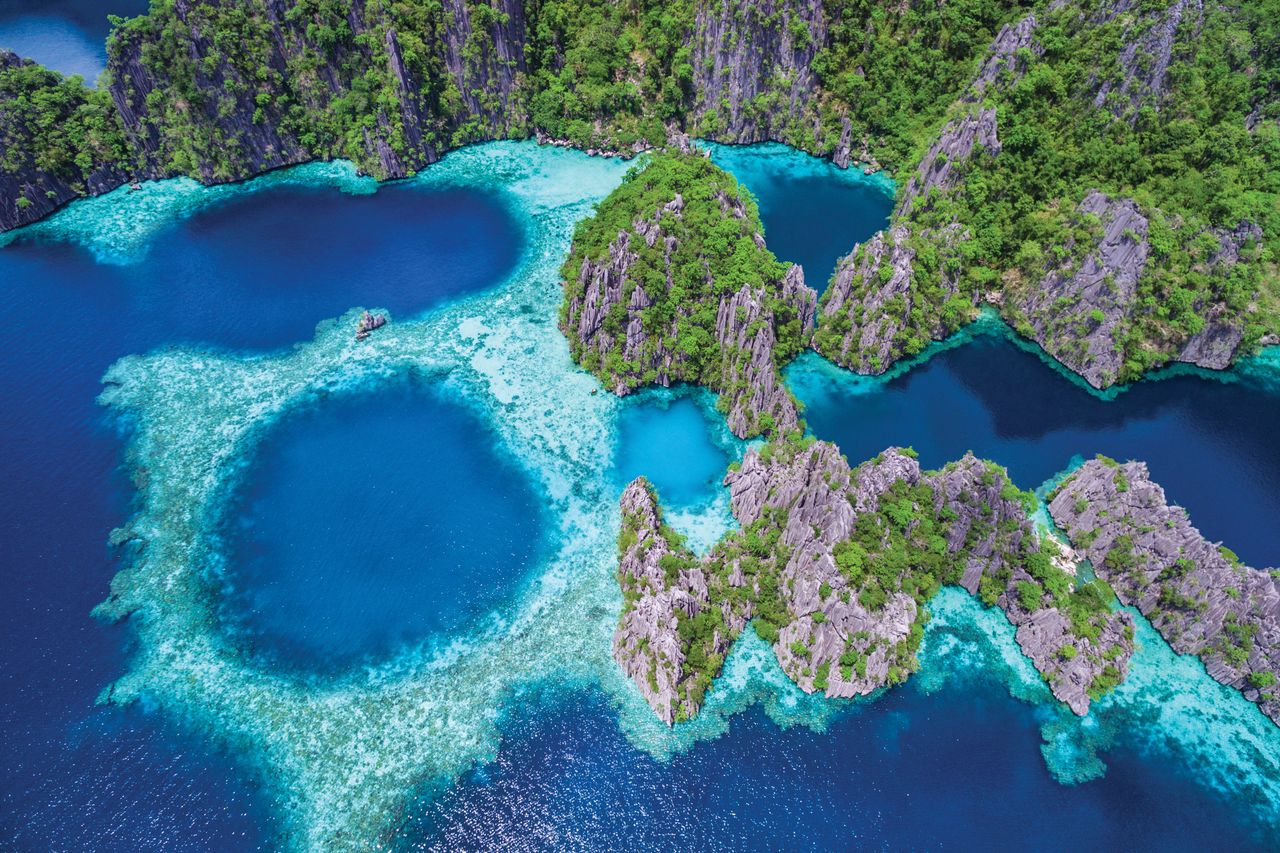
point(1196, 593)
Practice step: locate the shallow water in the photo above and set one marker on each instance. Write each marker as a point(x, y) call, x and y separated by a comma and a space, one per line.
point(948, 759)
point(675, 444)
point(248, 273)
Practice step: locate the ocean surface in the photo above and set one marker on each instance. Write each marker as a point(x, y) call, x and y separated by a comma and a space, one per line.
point(374, 521)
point(253, 272)
point(66, 35)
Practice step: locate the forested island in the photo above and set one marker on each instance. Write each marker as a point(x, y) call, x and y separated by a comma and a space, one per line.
point(1106, 173)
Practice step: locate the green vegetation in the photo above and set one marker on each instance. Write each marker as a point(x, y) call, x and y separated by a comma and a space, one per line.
point(707, 252)
point(55, 125)
point(1187, 159)
point(220, 91)
point(898, 550)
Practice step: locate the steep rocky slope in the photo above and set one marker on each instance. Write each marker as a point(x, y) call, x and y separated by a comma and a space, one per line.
point(1024, 137)
point(671, 282)
point(1196, 594)
point(836, 567)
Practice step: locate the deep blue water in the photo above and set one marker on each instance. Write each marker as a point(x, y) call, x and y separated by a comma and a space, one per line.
point(960, 769)
point(66, 35)
point(1211, 445)
point(670, 442)
point(373, 520)
point(254, 273)
point(813, 212)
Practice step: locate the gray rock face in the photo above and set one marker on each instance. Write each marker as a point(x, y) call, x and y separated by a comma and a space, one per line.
point(867, 308)
point(1080, 312)
point(1003, 61)
point(742, 49)
point(1144, 60)
point(647, 643)
point(798, 567)
point(1194, 592)
point(1216, 345)
point(30, 192)
point(745, 327)
point(953, 147)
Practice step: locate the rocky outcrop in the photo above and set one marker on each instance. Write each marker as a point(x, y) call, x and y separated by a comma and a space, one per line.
point(836, 567)
point(30, 186)
point(752, 65)
point(1216, 344)
point(939, 168)
point(635, 325)
point(1143, 62)
point(662, 584)
point(1196, 594)
point(875, 310)
point(1005, 61)
point(1080, 311)
point(866, 321)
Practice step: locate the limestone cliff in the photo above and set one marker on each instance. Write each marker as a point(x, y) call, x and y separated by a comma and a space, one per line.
point(752, 65)
point(1196, 593)
point(880, 305)
point(687, 292)
point(836, 567)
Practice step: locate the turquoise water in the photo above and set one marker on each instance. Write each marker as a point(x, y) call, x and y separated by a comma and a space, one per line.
point(679, 445)
point(813, 212)
point(485, 711)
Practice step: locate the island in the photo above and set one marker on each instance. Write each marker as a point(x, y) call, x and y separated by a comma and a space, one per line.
point(834, 566)
point(1103, 173)
point(1197, 594)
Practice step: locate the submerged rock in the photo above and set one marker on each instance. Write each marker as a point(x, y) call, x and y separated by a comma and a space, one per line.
point(836, 567)
point(1196, 593)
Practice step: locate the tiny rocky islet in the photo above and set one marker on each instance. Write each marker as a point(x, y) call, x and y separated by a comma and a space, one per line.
point(669, 280)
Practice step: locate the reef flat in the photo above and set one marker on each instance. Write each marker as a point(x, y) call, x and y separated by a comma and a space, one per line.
point(1052, 159)
point(340, 759)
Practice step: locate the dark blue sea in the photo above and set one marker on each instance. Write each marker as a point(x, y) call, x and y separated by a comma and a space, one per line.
point(344, 506)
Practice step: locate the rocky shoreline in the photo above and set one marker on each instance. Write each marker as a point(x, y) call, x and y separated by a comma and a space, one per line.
point(203, 90)
point(1196, 593)
point(836, 567)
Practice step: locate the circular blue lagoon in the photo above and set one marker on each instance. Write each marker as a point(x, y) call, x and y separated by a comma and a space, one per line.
point(673, 442)
point(371, 520)
point(813, 211)
point(260, 271)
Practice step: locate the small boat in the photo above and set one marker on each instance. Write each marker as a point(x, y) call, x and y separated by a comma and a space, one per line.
point(134, 186)
point(368, 323)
